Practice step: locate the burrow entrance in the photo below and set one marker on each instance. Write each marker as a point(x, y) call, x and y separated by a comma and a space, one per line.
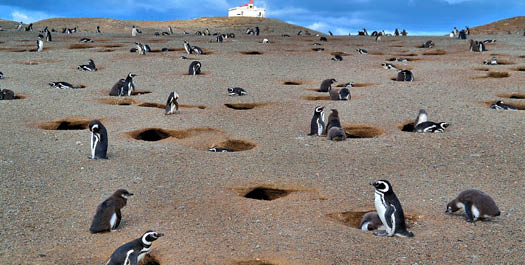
point(435, 52)
point(253, 262)
point(150, 260)
point(407, 126)
point(157, 134)
point(520, 68)
point(512, 96)
point(494, 75)
point(139, 92)
point(362, 131)
point(252, 53)
point(320, 97)
point(129, 101)
point(244, 106)
point(197, 138)
point(66, 124)
point(266, 193)
point(518, 105)
point(235, 145)
point(353, 218)
point(293, 83)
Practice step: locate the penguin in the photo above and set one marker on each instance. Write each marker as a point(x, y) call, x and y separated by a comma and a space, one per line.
point(489, 41)
point(195, 68)
point(404, 32)
point(344, 93)
point(187, 47)
point(99, 140)
point(326, 85)
point(146, 48)
point(98, 29)
point(323, 38)
point(462, 35)
point(30, 27)
point(316, 44)
point(183, 57)
point(265, 40)
point(389, 66)
point(429, 44)
point(48, 36)
point(117, 88)
point(334, 93)
point(317, 124)
point(134, 31)
point(128, 86)
point(85, 40)
point(336, 134)
point(134, 251)
point(333, 120)
point(236, 91)
point(219, 39)
point(107, 216)
point(318, 49)
point(220, 150)
point(197, 50)
point(422, 116)
point(362, 51)
point(171, 104)
point(432, 127)
point(331, 34)
point(140, 48)
point(39, 45)
point(389, 210)
point(492, 61)
point(170, 30)
point(502, 106)
point(405, 75)
point(91, 67)
point(207, 32)
point(20, 25)
point(6, 94)
point(403, 60)
point(1, 75)
point(337, 58)
point(256, 30)
point(371, 221)
point(476, 46)
point(63, 85)
point(396, 32)
point(477, 204)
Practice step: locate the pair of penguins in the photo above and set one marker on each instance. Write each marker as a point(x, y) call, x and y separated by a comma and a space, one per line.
point(124, 87)
point(342, 94)
point(390, 216)
point(99, 134)
point(90, 66)
point(334, 130)
point(107, 218)
point(402, 75)
point(192, 49)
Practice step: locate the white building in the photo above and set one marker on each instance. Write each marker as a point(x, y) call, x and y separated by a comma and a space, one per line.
point(247, 10)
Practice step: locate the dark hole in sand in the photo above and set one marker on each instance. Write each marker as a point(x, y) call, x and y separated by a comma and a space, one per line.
point(407, 126)
point(361, 131)
point(152, 135)
point(252, 53)
point(65, 124)
point(485, 69)
point(512, 96)
point(496, 75)
point(435, 52)
point(353, 218)
point(253, 262)
point(150, 260)
point(520, 68)
point(518, 105)
point(106, 50)
point(340, 53)
point(243, 106)
point(292, 83)
point(152, 105)
point(236, 145)
point(320, 97)
point(139, 92)
point(266, 194)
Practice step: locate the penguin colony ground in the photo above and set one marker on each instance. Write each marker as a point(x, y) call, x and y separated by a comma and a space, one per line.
point(195, 197)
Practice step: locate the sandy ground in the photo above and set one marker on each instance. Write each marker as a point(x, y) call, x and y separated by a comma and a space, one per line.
point(50, 189)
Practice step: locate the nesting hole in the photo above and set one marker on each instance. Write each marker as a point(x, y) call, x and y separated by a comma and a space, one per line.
point(320, 97)
point(376, 53)
point(353, 218)
point(20, 96)
point(66, 124)
point(236, 145)
point(362, 131)
point(192, 106)
point(406, 54)
point(494, 75)
point(151, 135)
point(394, 59)
point(253, 262)
point(292, 83)
point(106, 50)
point(118, 101)
point(518, 105)
point(139, 92)
point(150, 260)
point(505, 62)
point(520, 68)
point(152, 105)
point(243, 106)
point(435, 52)
point(485, 69)
point(158, 134)
point(407, 126)
point(76, 46)
point(266, 194)
point(252, 53)
point(340, 53)
point(512, 96)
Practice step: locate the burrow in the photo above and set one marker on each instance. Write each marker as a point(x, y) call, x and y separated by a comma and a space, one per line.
point(158, 134)
point(253, 262)
point(355, 85)
point(138, 92)
point(319, 97)
point(518, 105)
point(435, 52)
point(252, 53)
point(362, 131)
point(494, 75)
point(293, 83)
point(512, 95)
point(244, 106)
point(150, 259)
point(353, 218)
point(340, 53)
point(264, 193)
point(65, 124)
point(484, 69)
point(235, 145)
point(520, 68)
point(393, 59)
point(39, 62)
point(407, 126)
point(76, 46)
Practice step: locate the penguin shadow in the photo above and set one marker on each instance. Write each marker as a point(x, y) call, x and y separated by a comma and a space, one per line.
point(150, 259)
point(251, 53)
point(353, 218)
point(483, 69)
point(66, 124)
point(512, 95)
point(235, 145)
point(138, 92)
point(518, 105)
point(244, 106)
point(359, 131)
point(491, 74)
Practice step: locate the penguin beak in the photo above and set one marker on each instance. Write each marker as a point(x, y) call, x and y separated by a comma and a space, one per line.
point(373, 183)
point(130, 194)
point(160, 234)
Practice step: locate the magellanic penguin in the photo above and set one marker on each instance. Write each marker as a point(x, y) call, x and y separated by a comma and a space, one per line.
point(344, 93)
point(187, 47)
point(333, 120)
point(371, 221)
point(39, 45)
point(389, 210)
point(85, 40)
point(135, 250)
point(337, 58)
point(195, 68)
point(422, 116)
point(236, 91)
point(118, 88)
point(140, 49)
point(6, 94)
point(197, 50)
point(405, 75)
point(220, 150)
point(336, 134)
point(477, 205)
point(88, 67)
point(318, 121)
point(326, 85)
point(362, 51)
point(128, 86)
point(389, 66)
point(502, 106)
point(107, 217)
point(172, 105)
point(99, 140)
point(63, 85)
point(492, 61)
point(422, 124)
point(428, 44)
point(48, 35)
point(1, 75)
point(476, 46)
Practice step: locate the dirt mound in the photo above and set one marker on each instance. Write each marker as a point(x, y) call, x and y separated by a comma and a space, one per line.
point(513, 25)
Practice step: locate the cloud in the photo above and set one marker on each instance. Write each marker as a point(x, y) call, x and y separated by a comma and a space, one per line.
point(29, 16)
point(453, 2)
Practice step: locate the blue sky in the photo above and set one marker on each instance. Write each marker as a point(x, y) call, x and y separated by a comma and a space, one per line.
point(421, 17)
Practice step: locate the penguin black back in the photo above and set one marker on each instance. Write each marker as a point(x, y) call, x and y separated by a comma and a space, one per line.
point(317, 124)
point(107, 217)
point(336, 134)
point(195, 68)
point(117, 88)
point(99, 140)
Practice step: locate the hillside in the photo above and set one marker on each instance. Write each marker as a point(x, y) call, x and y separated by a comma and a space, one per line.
point(514, 25)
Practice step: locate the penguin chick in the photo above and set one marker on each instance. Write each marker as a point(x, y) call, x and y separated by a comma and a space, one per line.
point(117, 88)
point(371, 221)
point(107, 217)
point(172, 105)
point(334, 94)
point(326, 85)
point(336, 134)
point(477, 205)
point(333, 120)
point(134, 251)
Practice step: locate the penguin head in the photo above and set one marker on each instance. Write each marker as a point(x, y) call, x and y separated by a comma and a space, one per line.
point(122, 193)
point(131, 75)
point(319, 109)
point(382, 186)
point(499, 102)
point(150, 236)
point(332, 80)
point(94, 126)
point(443, 125)
point(351, 84)
point(335, 113)
point(451, 207)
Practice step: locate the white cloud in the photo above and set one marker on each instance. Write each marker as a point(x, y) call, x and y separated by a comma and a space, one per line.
point(453, 2)
point(28, 16)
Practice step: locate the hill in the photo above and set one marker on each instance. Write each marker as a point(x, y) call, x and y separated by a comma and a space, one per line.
point(513, 25)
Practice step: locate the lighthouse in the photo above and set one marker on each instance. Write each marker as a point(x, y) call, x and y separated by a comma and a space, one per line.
point(247, 10)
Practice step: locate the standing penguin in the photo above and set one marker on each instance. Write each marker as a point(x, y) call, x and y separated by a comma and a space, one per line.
point(195, 68)
point(172, 105)
point(107, 217)
point(477, 205)
point(405, 75)
point(317, 123)
point(389, 210)
point(333, 120)
point(344, 93)
point(334, 93)
point(39, 44)
point(128, 86)
point(187, 47)
point(99, 140)
point(48, 35)
point(133, 252)
point(326, 85)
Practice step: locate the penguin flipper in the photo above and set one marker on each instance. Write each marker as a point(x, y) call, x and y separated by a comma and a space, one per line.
point(119, 217)
point(389, 213)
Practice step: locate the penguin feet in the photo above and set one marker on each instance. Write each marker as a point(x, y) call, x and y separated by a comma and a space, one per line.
point(381, 233)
